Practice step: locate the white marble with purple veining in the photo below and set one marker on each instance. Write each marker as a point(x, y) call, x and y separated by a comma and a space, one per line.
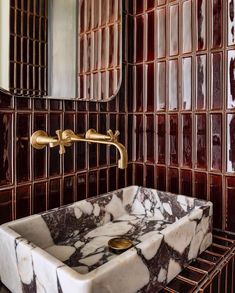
point(65, 249)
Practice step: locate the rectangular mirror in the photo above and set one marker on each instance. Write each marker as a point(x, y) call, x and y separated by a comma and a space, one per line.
point(61, 49)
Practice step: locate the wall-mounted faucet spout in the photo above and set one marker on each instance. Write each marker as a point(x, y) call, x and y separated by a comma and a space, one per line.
point(92, 136)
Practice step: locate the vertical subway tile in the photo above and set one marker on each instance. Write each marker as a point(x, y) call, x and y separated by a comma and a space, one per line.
point(187, 83)
point(81, 186)
point(173, 139)
point(139, 39)
point(187, 140)
point(40, 197)
point(217, 23)
point(217, 81)
point(231, 79)
point(112, 149)
point(69, 123)
point(216, 196)
point(174, 30)
point(149, 138)
point(138, 134)
point(186, 182)
point(23, 201)
point(160, 85)
point(23, 147)
point(39, 156)
point(68, 195)
point(150, 36)
point(231, 22)
point(230, 142)
point(102, 181)
point(160, 41)
point(6, 159)
point(200, 185)
point(54, 194)
point(187, 26)
point(201, 141)
point(161, 178)
point(81, 147)
point(201, 82)
point(139, 174)
point(173, 84)
point(54, 156)
point(138, 6)
point(173, 180)
point(150, 176)
point(112, 175)
point(138, 88)
point(216, 142)
point(92, 184)
point(6, 206)
point(201, 21)
point(149, 83)
point(161, 139)
point(121, 178)
point(230, 184)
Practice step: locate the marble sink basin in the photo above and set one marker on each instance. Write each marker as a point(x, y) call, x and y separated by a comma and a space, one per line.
point(65, 249)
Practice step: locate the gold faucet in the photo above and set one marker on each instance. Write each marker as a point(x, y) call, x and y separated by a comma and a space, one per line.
point(40, 139)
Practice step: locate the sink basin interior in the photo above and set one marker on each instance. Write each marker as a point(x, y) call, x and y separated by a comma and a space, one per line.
point(78, 234)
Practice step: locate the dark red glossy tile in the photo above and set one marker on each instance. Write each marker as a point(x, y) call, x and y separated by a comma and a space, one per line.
point(69, 160)
point(201, 18)
point(92, 184)
point(201, 82)
point(150, 176)
point(230, 142)
point(161, 178)
point(187, 140)
point(23, 201)
point(102, 181)
point(54, 156)
point(150, 83)
point(173, 180)
point(112, 177)
point(81, 146)
point(39, 197)
point(150, 138)
point(217, 23)
point(139, 38)
point(201, 141)
point(216, 196)
point(121, 178)
point(217, 81)
point(39, 156)
point(6, 158)
point(139, 174)
point(173, 124)
point(6, 206)
point(216, 142)
point(186, 182)
point(230, 223)
point(138, 76)
point(23, 147)
point(200, 185)
point(138, 142)
point(54, 194)
point(69, 190)
point(81, 186)
point(150, 36)
point(231, 79)
point(161, 139)
point(138, 6)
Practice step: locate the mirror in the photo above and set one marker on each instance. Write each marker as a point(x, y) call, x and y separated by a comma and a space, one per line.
point(61, 49)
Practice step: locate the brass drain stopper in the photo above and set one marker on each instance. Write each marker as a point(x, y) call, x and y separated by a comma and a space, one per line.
point(119, 244)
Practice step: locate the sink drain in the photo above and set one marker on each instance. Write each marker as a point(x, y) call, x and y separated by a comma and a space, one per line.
point(119, 244)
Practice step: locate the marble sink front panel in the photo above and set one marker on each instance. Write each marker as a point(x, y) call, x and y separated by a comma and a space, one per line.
point(66, 249)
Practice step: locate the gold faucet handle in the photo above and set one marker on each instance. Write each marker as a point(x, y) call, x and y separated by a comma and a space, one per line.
point(61, 142)
point(113, 136)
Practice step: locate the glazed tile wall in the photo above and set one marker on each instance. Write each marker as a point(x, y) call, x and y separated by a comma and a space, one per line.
point(32, 181)
point(182, 116)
